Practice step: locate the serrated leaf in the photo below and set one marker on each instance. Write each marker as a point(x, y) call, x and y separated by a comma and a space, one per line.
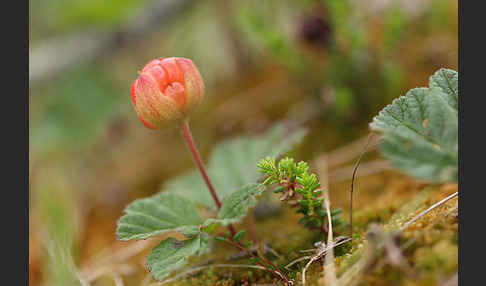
point(172, 254)
point(158, 214)
point(448, 81)
point(232, 165)
point(420, 130)
point(236, 205)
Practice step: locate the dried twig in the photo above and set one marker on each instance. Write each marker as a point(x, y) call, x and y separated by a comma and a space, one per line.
point(352, 184)
point(346, 153)
point(368, 168)
point(308, 250)
point(374, 246)
point(312, 260)
point(318, 251)
point(254, 249)
point(329, 268)
point(407, 224)
point(262, 261)
point(297, 260)
point(322, 250)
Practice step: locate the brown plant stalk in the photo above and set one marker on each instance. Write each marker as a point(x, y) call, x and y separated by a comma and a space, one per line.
point(186, 132)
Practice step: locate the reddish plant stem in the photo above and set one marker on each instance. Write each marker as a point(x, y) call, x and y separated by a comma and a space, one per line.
point(186, 131)
point(275, 269)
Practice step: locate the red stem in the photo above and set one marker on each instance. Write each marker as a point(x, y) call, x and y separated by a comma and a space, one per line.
point(186, 131)
point(275, 269)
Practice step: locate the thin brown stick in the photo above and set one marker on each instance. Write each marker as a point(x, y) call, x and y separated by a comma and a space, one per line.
point(329, 268)
point(186, 131)
point(369, 168)
point(346, 153)
point(330, 273)
point(408, 223)
point(275, 270)
point(352, 184)
point(243, 254)
point(297, 260)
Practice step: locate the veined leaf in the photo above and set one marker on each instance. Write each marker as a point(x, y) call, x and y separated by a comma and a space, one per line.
point(420, 129)
point(236, 205)
point(157, 214)
point(172, 254)
point(232, 165)
point(447, 80)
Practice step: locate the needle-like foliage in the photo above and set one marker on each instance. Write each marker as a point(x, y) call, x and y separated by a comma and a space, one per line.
point(299, 187)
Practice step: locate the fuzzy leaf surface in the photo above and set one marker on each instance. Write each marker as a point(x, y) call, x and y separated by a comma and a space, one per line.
point(236, 205)
point(158, 214)
point(420, 130)
point(172, 254)
point(232, 165)
point(448, 81)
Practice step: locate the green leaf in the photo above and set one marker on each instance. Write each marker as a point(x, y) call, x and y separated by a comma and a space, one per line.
point(236, 205)
point(158, 214)
point(447, 80)
point(239, 235)
point(172, 254)
point(420, 130)
point(232, 165)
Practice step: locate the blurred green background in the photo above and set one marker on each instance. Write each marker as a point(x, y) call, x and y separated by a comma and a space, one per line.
point(328, 65)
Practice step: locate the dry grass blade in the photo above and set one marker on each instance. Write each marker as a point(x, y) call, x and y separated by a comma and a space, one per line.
point(355, 269)
point(297, 260)
point(369, 168)
point(322, 251)
point(312, 260)
point(329, 268)
point(408, 223)
point(346, 153)
point(352, 184)
point(369, 259)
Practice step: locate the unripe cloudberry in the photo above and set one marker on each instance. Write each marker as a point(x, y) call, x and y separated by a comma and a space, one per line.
point(167, 90)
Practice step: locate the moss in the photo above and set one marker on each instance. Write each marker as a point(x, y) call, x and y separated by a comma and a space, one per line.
point(431, 253)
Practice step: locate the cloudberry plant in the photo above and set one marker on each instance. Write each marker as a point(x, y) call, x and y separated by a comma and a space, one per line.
point(166, 91)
